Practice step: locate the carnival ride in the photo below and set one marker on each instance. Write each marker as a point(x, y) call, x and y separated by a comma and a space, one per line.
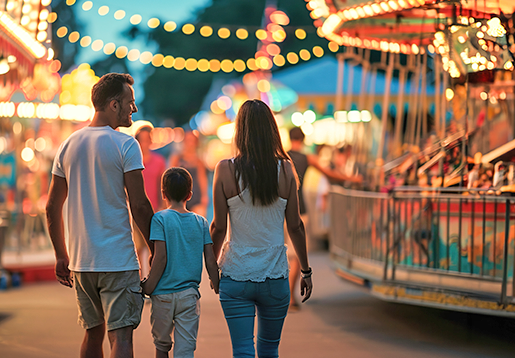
point(444, 243)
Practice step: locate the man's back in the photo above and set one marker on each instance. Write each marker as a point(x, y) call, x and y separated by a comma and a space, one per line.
point(93, 160)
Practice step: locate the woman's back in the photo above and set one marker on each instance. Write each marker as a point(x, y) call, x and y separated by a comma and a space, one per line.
point(255, 249)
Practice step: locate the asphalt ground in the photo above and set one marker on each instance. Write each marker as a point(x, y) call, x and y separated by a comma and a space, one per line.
point(340, 320)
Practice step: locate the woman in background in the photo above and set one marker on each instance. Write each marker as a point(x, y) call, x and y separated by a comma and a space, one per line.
point(258, 190)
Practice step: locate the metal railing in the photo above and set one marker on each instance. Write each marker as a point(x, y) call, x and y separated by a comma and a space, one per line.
point(453, 239)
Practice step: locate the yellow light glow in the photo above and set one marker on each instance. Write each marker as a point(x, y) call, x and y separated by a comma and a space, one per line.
point(279, 36)
point(226, 66)
point(264, 63)
point(133, 54)
point(120, 14)
point(251, 64)
point(103, 10)
point(191, 64)
point(393, 5)
point(135, 19)
point(62, 31)
point(224, 33)
point(109, 48)
point(97, 45)
point(27, 154)
point(146, 57)
point(305, 55)
point(214, 65)
point(188, 29)
point(239, 65)
point(508, 66)
point(43, 15)
point(318, 51)
point(153, 23)
point(69, 2)
point(157, 60)
point(85, 41)
point(215, 109)
point(168, 61)
point(226, 132)
point(42, 26)
point(385, 6)
point(206, 31)
point(242, 34)
point(45, 2)
point(203, 65)
point(300, 33)
point(261, 34)
point(263, 86)
point(17, 127)
point(224, 103)
point(87, 5)
point(179, 63)
point(170, 26)
point(41, 36)
point(449, 94)
point(279, 60)
point(52, 17)
point(40, 144)
point(292, 58)
point(333, 46)
point(121, 52)
point(483, 96)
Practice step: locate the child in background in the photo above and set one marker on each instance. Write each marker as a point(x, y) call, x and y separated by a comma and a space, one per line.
point(180, 238)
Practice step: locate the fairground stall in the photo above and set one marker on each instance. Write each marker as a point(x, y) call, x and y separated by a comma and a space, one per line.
point(437, 228)
point(29, 85)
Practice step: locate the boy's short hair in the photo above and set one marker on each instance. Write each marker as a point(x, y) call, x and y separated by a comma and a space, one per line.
point(297, 134)
point(176, 184)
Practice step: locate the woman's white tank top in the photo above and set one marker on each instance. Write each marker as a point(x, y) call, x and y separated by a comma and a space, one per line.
point(254, 250)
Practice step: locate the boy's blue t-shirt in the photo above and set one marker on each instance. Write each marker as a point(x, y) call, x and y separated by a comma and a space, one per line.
point(185, 235)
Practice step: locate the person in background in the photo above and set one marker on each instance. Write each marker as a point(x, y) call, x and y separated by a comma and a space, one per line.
point(301, 163)
point(97, 169)
point(180, 238)
point(155, 165)
point(189, 159)
point(258, 190)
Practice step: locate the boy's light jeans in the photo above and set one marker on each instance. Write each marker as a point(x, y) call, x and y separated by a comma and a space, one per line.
point(179, 313)
point(239, 302)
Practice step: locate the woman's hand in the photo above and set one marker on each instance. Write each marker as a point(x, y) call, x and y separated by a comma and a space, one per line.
point(306, 287)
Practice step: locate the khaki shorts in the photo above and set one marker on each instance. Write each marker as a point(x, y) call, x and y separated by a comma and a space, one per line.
point(112, 297)
point(179, 313)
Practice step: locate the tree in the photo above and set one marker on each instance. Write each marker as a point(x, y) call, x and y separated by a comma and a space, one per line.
point(177, 95)
point(65, 51)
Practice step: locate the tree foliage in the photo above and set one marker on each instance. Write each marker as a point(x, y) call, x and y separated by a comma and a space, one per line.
point(177, 95)
point(65, 51)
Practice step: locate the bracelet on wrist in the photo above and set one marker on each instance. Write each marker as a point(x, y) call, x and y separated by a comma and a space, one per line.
point(306, 273)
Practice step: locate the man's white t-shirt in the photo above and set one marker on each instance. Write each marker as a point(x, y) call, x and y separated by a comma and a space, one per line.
point(93, 161)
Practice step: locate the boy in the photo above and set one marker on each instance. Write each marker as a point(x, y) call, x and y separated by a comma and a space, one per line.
point(180, 237)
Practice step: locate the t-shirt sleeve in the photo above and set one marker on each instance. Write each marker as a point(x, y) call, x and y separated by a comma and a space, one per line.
point(57, 166)
point(157, 229)
point(132, 159)
point(207, 236)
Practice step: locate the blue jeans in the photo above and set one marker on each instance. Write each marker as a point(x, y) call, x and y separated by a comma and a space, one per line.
point(239, 301)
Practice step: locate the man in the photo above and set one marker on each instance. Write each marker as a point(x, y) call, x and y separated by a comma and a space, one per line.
point(95, 168)
point(301, 162)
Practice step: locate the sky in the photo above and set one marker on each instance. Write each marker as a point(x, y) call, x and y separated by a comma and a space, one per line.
point(108, 29)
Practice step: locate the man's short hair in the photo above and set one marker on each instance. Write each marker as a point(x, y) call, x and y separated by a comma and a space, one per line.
point(297, 134)
point(109, 87)
point(176, 183)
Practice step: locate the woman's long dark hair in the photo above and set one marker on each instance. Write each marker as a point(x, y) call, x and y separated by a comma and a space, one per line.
point(259, 151)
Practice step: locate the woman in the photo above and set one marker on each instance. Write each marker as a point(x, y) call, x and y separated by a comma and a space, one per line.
point(258, 189)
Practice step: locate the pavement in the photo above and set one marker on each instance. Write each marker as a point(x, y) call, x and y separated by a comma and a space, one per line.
point(340, 320)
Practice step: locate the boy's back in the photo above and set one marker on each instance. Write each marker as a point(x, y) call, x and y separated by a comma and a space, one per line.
point(185, 235)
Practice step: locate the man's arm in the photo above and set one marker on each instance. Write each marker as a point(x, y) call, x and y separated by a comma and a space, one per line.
point(54, 216)
point(156, 269)
point(141, 208)
point(332, 174)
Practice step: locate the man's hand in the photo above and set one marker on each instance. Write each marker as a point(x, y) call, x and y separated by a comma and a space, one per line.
point(62, 272)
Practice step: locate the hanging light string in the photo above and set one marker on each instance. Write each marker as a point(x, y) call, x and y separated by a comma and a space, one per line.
point(190, 64)
point(205, 30)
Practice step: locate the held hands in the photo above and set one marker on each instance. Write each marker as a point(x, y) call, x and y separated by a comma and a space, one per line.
point(62, 273)
point(214, 287)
